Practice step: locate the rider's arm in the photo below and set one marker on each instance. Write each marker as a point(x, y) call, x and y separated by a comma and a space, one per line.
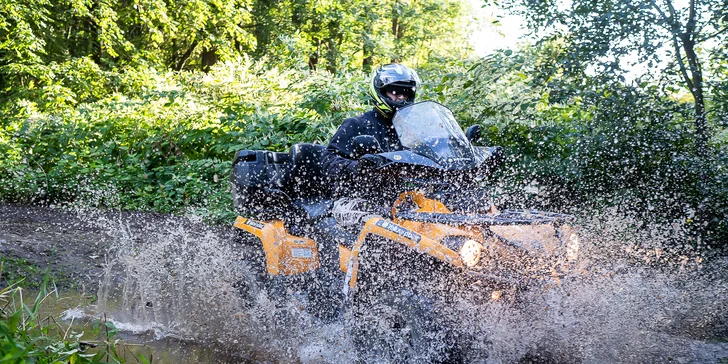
point(338, 167)
point(336, 160)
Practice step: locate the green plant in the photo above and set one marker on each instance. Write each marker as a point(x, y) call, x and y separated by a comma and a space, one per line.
point(26, 336)
point(16, 270)
point(164, 140)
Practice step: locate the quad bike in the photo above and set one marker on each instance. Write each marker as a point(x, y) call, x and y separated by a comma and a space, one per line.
point(434, 235)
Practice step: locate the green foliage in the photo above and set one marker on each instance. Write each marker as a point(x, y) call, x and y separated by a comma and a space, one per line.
point(168, 144)
point(38, 37)
point(141, 105)
point(150, 140)
point(603, 34)
point(27, 336)
point(90, 112)
point(576, 141)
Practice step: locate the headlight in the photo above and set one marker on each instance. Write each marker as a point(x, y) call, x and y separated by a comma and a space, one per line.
point(469, 250)
point(470, 253)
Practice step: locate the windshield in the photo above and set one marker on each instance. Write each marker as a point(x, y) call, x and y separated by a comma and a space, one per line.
point(430, 129)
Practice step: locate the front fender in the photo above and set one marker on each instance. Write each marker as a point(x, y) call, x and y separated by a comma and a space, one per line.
point(384, 228)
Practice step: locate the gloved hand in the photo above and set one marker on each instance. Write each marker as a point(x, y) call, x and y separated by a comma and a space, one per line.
point(366, 168)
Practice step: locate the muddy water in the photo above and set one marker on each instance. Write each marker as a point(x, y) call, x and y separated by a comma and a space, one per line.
point(629, 317)
point(79, 315)
point(169, 282)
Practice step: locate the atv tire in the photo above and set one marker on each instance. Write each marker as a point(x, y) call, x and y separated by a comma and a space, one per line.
point(251, 267)
point(402, 327)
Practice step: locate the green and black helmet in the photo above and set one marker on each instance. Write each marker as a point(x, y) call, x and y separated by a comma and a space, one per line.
point(397, 79)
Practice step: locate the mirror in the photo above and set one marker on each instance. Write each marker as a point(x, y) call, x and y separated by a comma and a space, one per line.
point(473, 133)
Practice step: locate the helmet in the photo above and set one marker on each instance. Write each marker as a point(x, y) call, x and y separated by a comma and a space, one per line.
point(395, 78)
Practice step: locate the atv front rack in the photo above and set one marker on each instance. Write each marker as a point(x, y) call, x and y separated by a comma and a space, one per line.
point(507, 217)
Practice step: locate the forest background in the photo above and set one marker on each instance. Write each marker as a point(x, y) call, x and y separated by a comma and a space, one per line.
point(617, 106)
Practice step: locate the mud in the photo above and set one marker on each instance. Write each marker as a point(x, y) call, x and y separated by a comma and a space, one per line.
point(73, 246)
point(33, 239)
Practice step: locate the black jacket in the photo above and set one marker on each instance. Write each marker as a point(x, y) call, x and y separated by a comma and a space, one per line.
point(336, 160)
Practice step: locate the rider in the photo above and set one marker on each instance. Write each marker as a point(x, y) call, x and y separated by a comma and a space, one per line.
point(392, 86)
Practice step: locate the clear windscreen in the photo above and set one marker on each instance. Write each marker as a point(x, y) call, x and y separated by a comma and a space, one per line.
point(430, 129)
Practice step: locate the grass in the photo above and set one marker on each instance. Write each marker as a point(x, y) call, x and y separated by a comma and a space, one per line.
point(28, 336)
point(20, 269)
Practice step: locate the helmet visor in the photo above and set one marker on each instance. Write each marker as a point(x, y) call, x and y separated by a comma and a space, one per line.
point(397, 90)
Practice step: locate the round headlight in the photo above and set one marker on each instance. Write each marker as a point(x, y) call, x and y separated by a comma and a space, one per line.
point(470, 253)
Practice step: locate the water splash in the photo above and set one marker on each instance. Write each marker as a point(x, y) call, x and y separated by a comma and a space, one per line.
point(633, 299)
point(636, 297)
point(181, 275)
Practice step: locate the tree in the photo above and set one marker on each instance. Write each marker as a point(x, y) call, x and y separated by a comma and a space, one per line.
point(607, 31)
point(332, 35)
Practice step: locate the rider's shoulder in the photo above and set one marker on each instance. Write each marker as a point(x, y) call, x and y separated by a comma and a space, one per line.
point(361, 119)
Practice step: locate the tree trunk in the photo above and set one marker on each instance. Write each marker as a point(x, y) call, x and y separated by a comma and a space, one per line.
point(185, 57)
point(367, 44)
point(312, 62)
point(688, 40)
point(701, 123)
point(694, 80)
point(94, 47)
point(333, 44)
point(397, 32)
point(262, 31)
point(395, 26)
point(313, 58)
point(208, 59)
point(367, 62)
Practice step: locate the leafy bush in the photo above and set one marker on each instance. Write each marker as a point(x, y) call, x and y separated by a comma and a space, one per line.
point(592, 142)
point(167, 145)
point(147, 140)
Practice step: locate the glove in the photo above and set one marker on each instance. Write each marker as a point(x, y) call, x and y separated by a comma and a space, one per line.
point(366, 170)
point(372, 161)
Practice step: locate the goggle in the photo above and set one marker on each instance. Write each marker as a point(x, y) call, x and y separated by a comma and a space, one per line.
point(407, 91)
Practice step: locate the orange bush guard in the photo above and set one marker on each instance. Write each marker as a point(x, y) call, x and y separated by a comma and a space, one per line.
point(285, 254)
